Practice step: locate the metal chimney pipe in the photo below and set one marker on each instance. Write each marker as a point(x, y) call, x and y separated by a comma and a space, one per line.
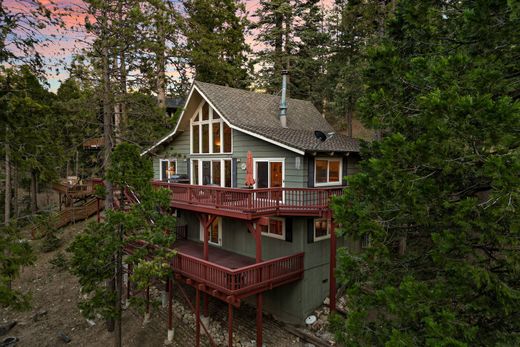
point(283, 102)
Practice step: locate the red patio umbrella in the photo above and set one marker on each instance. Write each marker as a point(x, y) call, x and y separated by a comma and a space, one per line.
point(250, 181)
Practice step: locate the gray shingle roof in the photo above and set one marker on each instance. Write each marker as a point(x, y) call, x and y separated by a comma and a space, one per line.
point(258, 113)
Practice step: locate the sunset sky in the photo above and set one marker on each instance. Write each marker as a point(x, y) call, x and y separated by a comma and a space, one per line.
point(61, 44)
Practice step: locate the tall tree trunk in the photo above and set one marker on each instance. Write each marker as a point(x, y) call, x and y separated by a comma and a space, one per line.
point(34, 192)
point(7, 207)
point(349, 123)
point(107, 126)
point(16, 180)
point(161, 61)
point(77, 164)
point(119, 280)
point(122, 104)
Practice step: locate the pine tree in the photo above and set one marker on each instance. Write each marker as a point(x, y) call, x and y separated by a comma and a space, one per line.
point(274, 22)
point(354, 27)
point(98, 251)
point(307, 71)
point(438, 194)
point(216, 46)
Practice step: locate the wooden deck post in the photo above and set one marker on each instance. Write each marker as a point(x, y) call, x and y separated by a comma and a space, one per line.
point(230, 325)
point(197, 317)
point(332, 276)
point(170, 309)
point(206, 237)
point(259, 297)
point(259, 323)
point(258, 242)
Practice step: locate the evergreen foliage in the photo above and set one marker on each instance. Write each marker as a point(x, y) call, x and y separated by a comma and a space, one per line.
point(94, 251)
point(14, 254)
point(438, 195)
point(354, 27)
point(216, 46)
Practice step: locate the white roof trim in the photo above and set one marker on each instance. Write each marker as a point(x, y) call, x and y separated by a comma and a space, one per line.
point(176, 127)
point(194, 87)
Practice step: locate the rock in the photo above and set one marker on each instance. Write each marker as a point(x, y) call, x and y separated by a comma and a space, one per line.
point(38, 315)
point(64, 337)
point(4, 328)
point(326, 301)
point(91, 322)
point(9, 341)
point(308, 345)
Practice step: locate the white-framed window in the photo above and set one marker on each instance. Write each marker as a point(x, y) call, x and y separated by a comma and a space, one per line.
point(327, 171)
point(209, 134)
point(168, 168)
point(214, 232)
point(212, 171)
point(274, 228)
point(321, 229)
point(269, 172)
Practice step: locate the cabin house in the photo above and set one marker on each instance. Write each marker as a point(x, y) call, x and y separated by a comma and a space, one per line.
point(271, 243)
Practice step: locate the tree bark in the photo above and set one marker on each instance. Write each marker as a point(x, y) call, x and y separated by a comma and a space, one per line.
point(77, 164)
point(161, 61)
point(34, 192)
point(107, 125)
point(16, 179)
point(8, 188)
point(349, 123)
point(119, 279)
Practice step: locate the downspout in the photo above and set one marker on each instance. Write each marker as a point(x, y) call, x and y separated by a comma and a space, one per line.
point(283, 102)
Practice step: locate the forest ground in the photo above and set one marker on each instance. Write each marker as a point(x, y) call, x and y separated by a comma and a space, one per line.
point(55, 296)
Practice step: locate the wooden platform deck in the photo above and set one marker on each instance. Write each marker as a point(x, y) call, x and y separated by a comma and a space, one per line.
point(216, 255)
point(227, 274)
point(249, 204)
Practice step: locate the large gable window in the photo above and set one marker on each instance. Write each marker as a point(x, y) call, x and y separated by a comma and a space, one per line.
point(209, 133)
point(327, 171)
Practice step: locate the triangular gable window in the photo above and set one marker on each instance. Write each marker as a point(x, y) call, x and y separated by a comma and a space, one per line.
point(209, 134)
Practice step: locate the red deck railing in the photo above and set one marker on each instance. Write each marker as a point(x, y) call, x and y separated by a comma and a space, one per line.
point(252, 201)
point(238, 282)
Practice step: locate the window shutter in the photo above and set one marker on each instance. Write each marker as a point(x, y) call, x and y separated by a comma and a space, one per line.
point(310, 230)
point(288, 229)
point(345, 170)
point(310, 173)
point(234, 179)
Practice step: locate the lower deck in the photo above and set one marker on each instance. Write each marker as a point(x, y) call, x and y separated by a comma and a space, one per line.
point(216, 255)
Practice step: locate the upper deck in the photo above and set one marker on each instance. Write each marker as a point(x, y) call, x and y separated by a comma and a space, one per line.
point(251, 203)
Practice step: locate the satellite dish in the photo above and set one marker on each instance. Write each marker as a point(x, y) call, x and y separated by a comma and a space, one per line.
point(320, 135)
point(310, 320)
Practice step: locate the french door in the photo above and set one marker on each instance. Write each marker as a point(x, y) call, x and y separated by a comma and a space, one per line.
point(270, 174)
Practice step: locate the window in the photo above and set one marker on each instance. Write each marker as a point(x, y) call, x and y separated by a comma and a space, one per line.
point(327, 171)
point(211, 172)
point(321, 229)
point(214, 232)
point(210, 134)
point(275, 228)
point(168, 168)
